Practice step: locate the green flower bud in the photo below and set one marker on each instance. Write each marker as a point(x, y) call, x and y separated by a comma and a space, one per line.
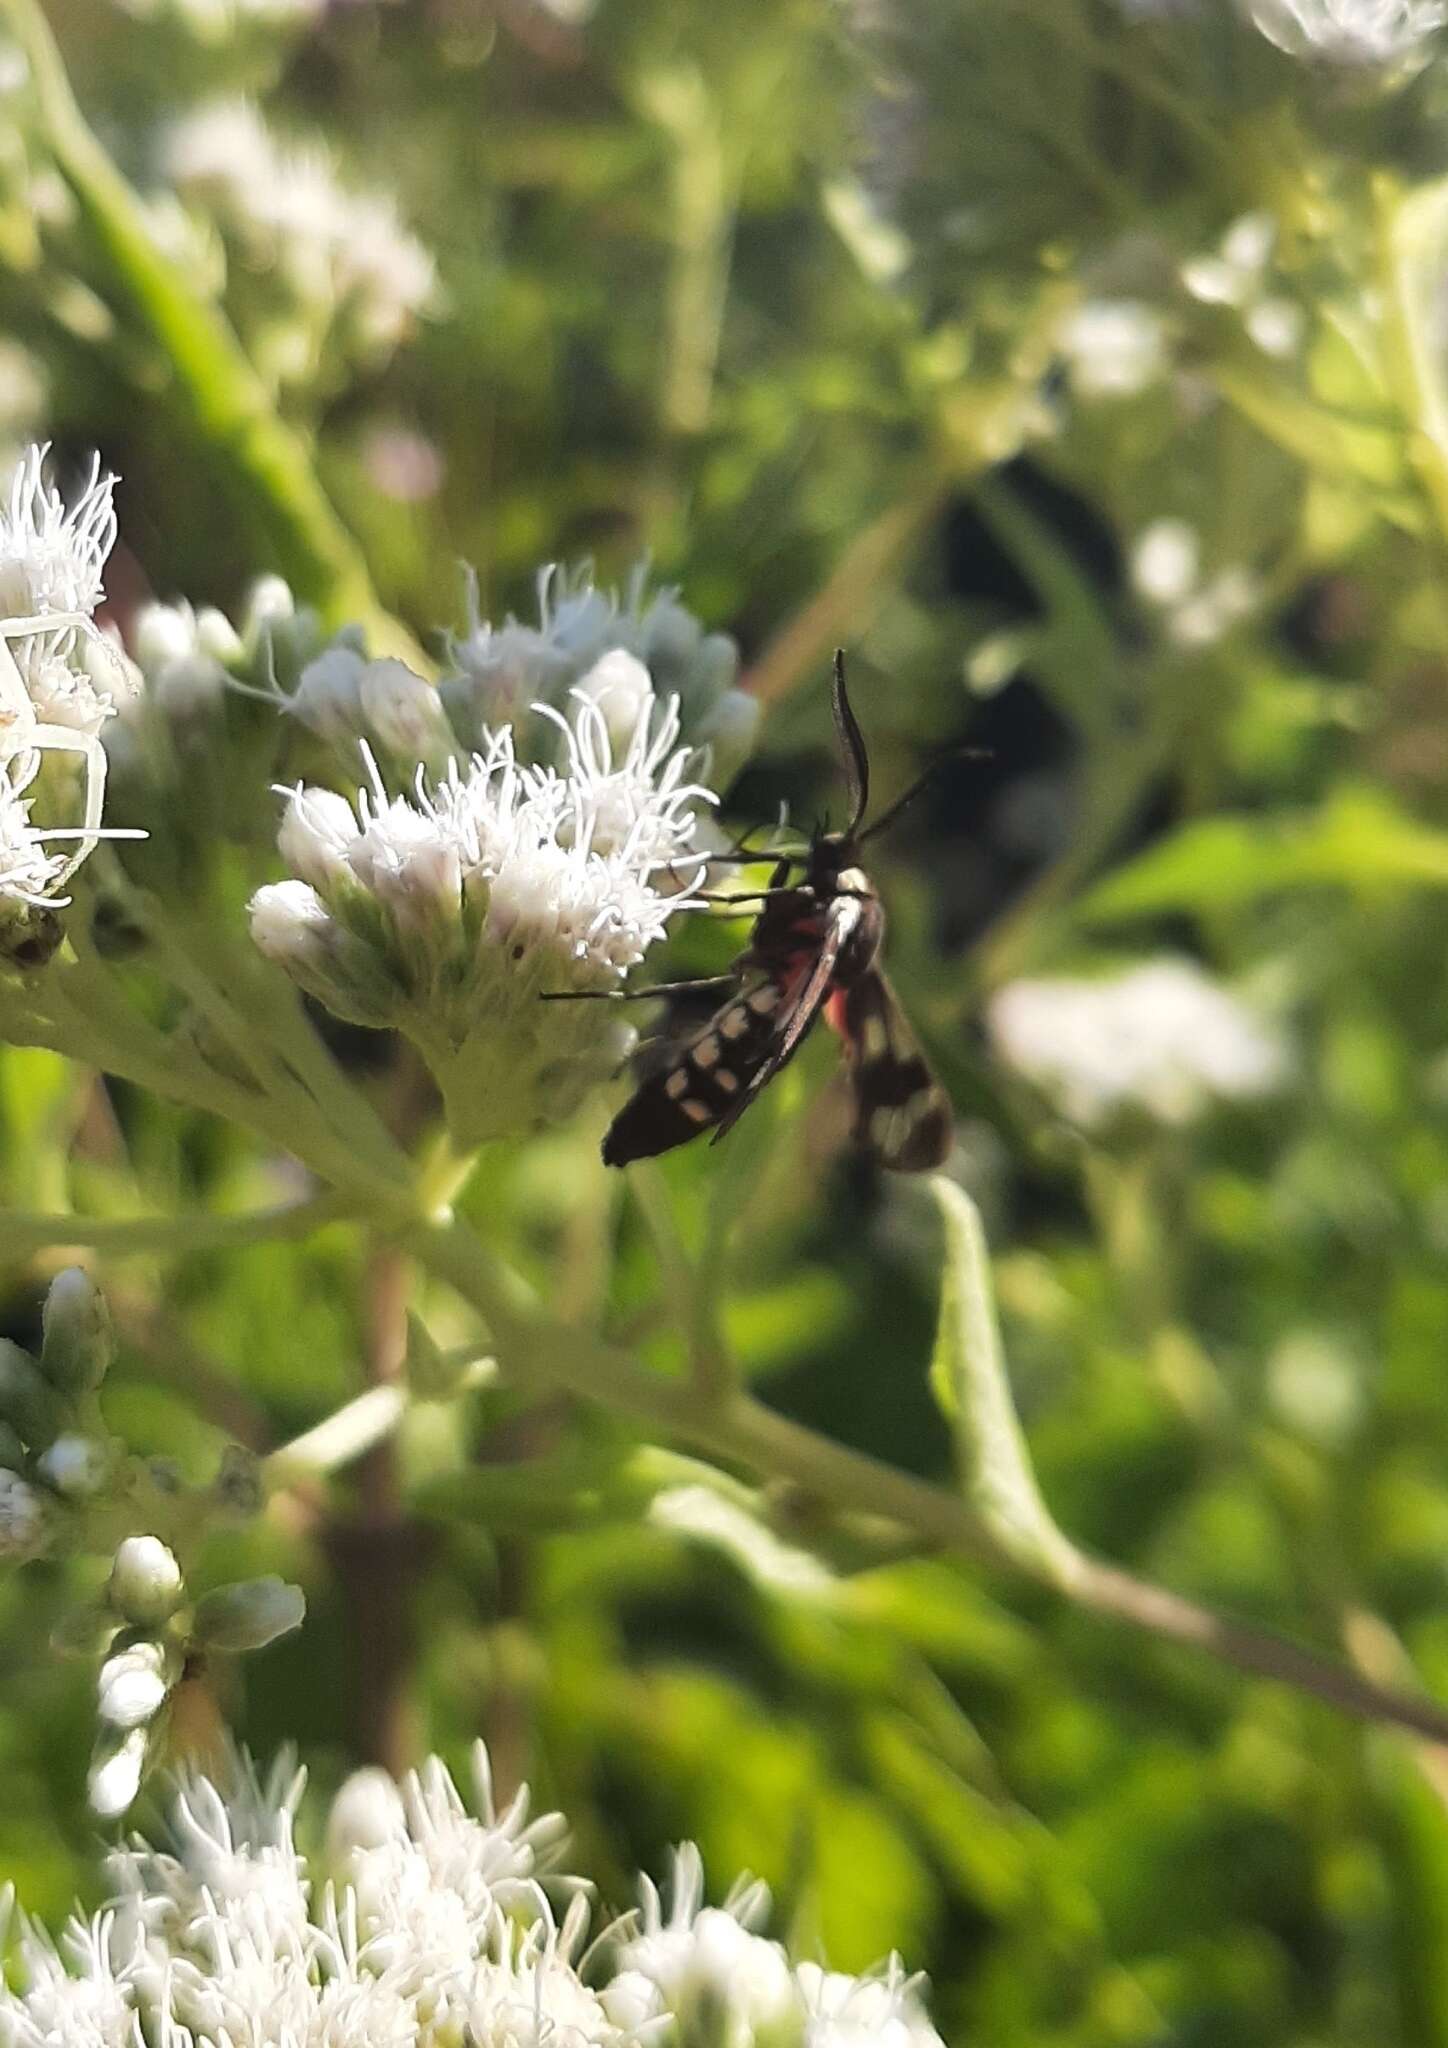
point(78, 1345)
point(145, 1585)
point(249, 1615)
point(26, 1402)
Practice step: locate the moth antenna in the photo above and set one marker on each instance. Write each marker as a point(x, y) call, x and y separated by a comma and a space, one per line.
point(852, 746)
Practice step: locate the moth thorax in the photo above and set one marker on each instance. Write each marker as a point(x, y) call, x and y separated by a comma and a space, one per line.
point(861, 947)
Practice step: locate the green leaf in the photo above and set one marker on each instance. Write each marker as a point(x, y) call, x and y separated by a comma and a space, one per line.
point(1358, 840)
point(968, 1379)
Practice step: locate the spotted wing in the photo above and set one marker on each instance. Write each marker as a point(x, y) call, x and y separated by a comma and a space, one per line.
point(902, 1114)
point(803, 984)
point(708, 1078)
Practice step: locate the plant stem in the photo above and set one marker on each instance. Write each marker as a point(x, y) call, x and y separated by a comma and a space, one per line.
point(744, 1430)
point(122, 1236)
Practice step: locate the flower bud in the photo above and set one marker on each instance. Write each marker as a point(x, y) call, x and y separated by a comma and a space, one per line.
point(114, 1778)
point(405, 712)
point(620, 685)
point(367, 1813)
point(27, 1403)
point(190, 689)
point(74, 1466)
point(216, 636)
point(249, 1615)
point(145, 1585)
point(328, 696)
point(290, 923)
point(132, 1686)
point(315, 832)
point(268, 603)
point(24, 1519)
point(632, 2001)
point(729, 732)
point(163, 633)
point(77, 1345)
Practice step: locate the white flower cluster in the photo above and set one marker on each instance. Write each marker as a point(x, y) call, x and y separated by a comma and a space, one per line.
point(1236, 273)
point(450, 912)
point(501, 674)
point(66, 1486)
point(434, 1928)
point(1114, 348)
point(341, 254)
point(1196, 610)
point(1161, 1038)
point(57, 674)
point(1372, 35)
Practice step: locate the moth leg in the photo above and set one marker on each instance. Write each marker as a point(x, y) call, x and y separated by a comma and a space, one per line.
point(635, 995)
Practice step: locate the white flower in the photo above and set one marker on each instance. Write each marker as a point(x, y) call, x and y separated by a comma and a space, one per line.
point(28, 873)
point(1161, 1037)
point(435, 1931)
point(449, 912)
point(1114, 348)
point(705, 1959)
point(1235, 274)
point(1166, 570)
point(56, 670)
point(337, 248)
point(86, 2005)
point(880, 2011)
point(22, 1515)
point(1371, 34)
point(51, 558)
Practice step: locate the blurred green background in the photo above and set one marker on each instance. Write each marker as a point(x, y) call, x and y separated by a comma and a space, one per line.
point(1083, 368)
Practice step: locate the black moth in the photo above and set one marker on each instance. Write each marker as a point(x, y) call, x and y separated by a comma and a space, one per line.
point(813, 950)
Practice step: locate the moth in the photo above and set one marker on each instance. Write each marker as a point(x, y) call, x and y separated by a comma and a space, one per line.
point(814, 951)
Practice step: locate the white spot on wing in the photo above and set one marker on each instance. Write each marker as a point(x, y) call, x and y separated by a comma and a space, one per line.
point(734, 1023)
point(676, 1084)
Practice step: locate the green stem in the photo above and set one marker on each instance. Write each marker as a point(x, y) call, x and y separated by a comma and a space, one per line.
point(743, 1430)
point(227, 403)
point(23, 1234)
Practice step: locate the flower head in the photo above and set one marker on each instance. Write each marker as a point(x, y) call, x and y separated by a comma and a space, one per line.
point(1114, 348)
point(1162, 1038)
point(57, 674)
point(449, 912)
point(435, 1929)
point(51, 556)
point(1379, 35)
point(345, 252)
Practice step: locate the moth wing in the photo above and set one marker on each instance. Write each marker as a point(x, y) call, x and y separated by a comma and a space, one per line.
point(694, 1074)
point(803, 988)
point(902, 1114)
